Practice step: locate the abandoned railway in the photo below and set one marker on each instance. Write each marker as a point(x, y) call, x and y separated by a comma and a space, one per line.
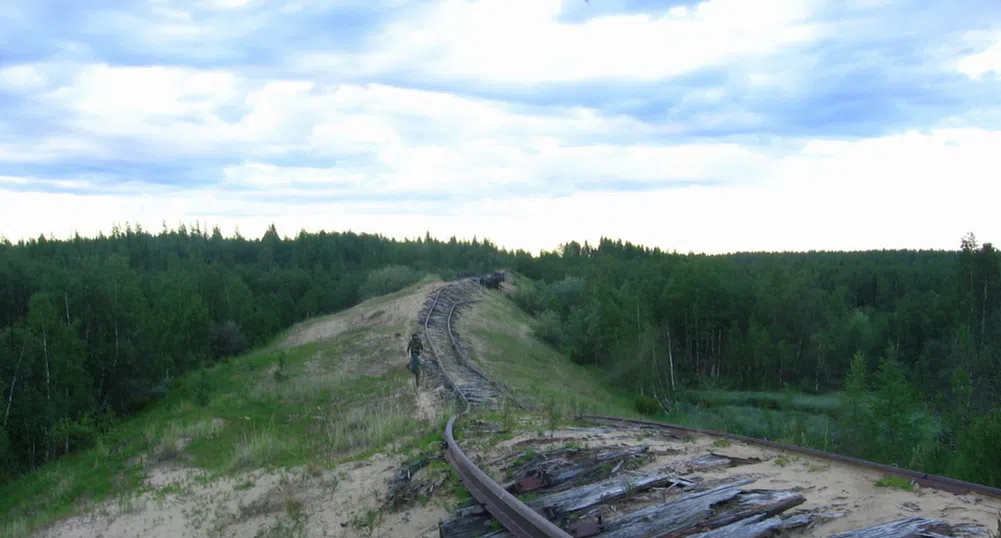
point(627, 478)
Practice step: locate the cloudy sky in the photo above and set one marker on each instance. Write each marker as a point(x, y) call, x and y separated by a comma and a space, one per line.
point(710, 126)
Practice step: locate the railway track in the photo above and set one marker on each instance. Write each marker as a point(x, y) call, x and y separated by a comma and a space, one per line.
point(523, 521)
point(473, 387)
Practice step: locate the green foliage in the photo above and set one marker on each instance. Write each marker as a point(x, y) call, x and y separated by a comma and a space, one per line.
point(855, 422)
point(646, 405)
point(977, 457)
point(201, 389)
point(896, 429)
point(388, 280)
point(104, 326)
point(892, 481)
point(280, 374)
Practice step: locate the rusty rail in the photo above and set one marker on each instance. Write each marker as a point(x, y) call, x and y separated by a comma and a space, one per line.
point(943, 483)
point(516, 517)
point(434, 350)
point(468, 364)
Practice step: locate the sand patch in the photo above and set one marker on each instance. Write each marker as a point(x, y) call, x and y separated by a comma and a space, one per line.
point(336, 502)
point(399, 313)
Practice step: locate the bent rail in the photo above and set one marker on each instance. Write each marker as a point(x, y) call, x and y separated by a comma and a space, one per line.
point(434, 350)
point(516, 517)
point(462, 356)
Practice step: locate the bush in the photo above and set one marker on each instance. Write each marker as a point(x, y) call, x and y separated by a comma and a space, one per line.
point(226, 340)
point(530, 296)
point(978, 460)
point(8, 462)
point(549, 328)
point(388, 280)
point(646, 405)
point(202, 389)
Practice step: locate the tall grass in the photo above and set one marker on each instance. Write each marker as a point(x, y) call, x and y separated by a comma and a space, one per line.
point(373, 426)
point(787, 401)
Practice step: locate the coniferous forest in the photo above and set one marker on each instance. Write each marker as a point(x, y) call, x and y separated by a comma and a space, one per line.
point(95, 329)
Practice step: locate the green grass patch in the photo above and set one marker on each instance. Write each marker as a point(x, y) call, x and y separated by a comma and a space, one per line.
point(828, 404)
point(507, 349)
point(784, 460)
point(794, 427)
point(897, 482)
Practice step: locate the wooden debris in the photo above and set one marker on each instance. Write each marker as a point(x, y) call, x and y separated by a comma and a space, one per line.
point(565, 467)
point(808, 519)
point(466, 526)
point(402, 488)
point(708, 512)
point(750, 503)
point(752, 527)
point(557, 504)
point(915, 526)
point(673, 516)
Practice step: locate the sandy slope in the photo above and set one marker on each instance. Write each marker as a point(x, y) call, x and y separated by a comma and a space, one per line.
point(249, 504)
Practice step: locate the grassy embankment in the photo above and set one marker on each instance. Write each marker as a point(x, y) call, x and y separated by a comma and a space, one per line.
point(312, 407)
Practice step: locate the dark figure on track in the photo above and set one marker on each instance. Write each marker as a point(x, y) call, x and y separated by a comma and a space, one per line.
point(415, 347)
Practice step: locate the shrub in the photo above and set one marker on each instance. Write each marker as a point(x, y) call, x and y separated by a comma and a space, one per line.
point(388, 280)
point(226, 340)
point(646, 405)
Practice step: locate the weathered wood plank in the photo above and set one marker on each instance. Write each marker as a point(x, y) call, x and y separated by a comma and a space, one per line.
point(465, 527)
point(572, 500)
point(750, 503)
point(909, 527)
point(757, 526)
point(674, 515)
point(565, 467)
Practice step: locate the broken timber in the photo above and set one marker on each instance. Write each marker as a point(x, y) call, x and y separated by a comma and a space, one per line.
point(910, 527)
point(556, 469)
point(560, 503)
point(725, 511)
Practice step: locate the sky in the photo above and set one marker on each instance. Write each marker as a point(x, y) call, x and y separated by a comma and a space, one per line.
point(713, 126)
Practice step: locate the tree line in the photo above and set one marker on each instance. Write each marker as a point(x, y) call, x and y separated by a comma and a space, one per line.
point(94, 329)
point(913, 337)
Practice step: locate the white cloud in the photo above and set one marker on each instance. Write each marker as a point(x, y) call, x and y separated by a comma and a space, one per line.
point(912, 190)
point(316, 141)
point(982, 63)
point(523, 41)
point(21, 78)
point(410, 139)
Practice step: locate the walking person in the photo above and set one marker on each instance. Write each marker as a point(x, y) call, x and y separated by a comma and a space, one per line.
point(415, 347)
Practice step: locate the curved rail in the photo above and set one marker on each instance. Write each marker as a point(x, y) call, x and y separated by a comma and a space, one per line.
point(519, 519)
point(943, 483)
point(516, 517)
point(469, 364)
point(427, 336)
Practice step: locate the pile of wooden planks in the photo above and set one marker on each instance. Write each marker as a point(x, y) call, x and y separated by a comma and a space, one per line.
point(595, 493)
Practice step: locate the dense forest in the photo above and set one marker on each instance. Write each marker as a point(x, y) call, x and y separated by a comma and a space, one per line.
point(93, 329)
point(913, 338)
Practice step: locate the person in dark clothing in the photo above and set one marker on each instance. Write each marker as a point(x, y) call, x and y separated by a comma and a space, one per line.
point(415, 347)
